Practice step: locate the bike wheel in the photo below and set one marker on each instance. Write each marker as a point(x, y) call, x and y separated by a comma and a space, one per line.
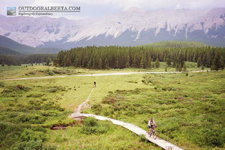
point(150, 134)
point(154, 136)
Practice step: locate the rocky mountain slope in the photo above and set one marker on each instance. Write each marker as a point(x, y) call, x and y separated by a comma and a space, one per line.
point(128, 28)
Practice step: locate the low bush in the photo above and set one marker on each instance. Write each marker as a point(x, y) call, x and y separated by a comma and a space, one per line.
point(21, 87)
point(52, 90)
point(142, 138)
point(92, 126)
point(32, 72)
point(97, 108)
point(35, 95)
point(1, 84)
point(51, 73)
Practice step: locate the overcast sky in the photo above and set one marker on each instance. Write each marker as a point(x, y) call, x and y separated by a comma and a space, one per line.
point(100, 8)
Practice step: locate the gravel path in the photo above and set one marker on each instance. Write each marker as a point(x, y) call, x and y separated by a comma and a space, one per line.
point(102, 74)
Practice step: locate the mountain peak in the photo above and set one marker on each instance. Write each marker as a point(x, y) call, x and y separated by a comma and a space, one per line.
point(136, 9)
point(131, 27)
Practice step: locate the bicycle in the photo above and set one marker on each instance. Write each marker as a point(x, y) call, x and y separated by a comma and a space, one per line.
point(153, 133)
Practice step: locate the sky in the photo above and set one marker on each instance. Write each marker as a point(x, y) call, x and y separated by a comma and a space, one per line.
point(100, 8)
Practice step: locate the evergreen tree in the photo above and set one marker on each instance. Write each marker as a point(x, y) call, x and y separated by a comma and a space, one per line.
point(168, 62)
point(68, 62)
point(177, 67)
point(149, 63)
point(153, 65)
point(157, 63)
point(56, 62)
point(106, 64)
point(199, 62)
point(127, 62)
point(134, 62)
point(142, 63)
point(184, 67)
point(100, 64)
point(222, 63)
point(48, 61)
point(180, 67)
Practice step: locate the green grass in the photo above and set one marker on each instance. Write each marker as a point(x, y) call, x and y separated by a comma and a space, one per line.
point(28, 71)
point(187, 109)
point(187, 105)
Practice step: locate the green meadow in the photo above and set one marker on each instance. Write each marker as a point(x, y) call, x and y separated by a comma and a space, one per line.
point(188, 108)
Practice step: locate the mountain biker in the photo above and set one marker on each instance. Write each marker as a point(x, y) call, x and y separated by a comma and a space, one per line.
point(151, 124)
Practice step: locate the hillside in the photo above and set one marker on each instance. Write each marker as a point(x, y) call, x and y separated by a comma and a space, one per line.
point(8, 51)
point(15, 46)
point(8, 46)
point(175, 44)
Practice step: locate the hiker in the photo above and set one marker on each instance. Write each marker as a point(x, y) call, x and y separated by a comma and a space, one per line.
point(94, 83)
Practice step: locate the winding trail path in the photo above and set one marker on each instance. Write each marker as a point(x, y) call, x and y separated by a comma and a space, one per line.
point(137, 130)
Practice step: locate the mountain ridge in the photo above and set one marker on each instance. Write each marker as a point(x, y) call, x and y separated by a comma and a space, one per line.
point(131, 27)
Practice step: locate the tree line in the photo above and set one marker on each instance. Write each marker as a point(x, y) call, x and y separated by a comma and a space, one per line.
point(116, 57)
point(17, 60)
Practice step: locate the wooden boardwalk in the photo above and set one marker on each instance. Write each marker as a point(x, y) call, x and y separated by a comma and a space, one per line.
point(137, 130)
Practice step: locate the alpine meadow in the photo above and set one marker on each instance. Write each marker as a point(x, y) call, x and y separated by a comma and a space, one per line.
point(125, 78)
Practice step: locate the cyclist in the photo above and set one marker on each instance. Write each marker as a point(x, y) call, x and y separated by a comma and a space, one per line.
point(151, 124)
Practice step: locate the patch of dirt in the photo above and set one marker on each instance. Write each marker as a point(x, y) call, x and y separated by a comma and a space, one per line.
point(64, 126)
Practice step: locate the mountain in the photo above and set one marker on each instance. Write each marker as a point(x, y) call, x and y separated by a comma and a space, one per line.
point(128, 28)
point(8, 46)
point(8, 51)
point(15, 46)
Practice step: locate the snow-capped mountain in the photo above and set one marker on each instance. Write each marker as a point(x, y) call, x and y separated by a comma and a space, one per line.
point(128, 28)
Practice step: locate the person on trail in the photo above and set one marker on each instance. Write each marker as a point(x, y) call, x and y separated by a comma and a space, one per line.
point(94, 83)
point(151, 124)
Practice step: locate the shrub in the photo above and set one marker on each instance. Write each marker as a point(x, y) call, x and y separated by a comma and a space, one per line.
point(1, 84)
point(52, 90)
point(32, 72)
point(90, 122)
point(41, 129)
point(142, 138)
point(35, 95)
point(51, 73)
point(57, 71)
point(21, 87)
point(97, 108)
point(109, 100)
point(34, 119)
point(59, 140)
point(91, 126)
point(34, 145)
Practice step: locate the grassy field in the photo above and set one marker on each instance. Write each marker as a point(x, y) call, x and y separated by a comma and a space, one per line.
point(188, 109)
point(27, 71)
